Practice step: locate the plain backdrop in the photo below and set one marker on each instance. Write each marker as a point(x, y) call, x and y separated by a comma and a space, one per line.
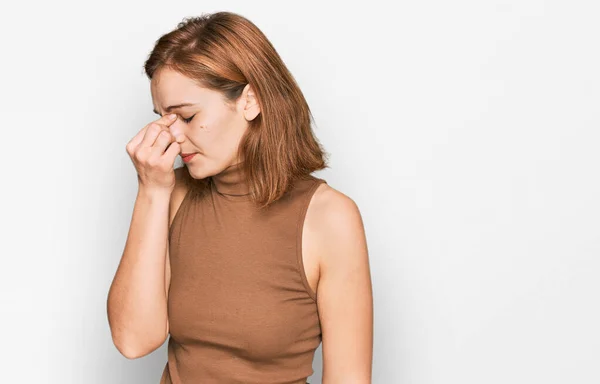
point(466, 131)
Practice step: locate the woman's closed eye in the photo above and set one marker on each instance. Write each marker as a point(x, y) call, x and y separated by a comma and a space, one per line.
point(187, 121)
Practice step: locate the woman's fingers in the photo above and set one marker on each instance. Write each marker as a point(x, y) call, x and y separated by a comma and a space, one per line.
point(150, 156)
point(172, 152)
point(164, 120)
point(162, 141)
point(151, 134)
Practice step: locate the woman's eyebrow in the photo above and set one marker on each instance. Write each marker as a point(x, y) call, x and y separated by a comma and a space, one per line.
point(170, 108)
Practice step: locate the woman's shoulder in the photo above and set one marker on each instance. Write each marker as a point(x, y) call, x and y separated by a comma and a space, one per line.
point(323, 195)
point(328, 201)
point(335, 220)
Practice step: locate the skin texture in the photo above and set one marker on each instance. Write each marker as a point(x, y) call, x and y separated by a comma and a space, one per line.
point(334, 244)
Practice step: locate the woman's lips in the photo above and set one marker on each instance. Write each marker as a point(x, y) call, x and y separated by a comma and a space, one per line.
point(186, 157)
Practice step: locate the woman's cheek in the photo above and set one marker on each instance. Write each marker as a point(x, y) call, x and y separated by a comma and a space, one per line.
point(205, 128)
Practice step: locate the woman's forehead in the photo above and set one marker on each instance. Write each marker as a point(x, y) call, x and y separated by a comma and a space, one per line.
point(178, 91)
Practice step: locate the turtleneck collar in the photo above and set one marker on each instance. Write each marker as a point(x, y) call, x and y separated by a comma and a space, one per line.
point(231, 181)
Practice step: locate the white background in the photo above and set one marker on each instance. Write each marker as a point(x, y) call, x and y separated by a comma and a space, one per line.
point(466, 131)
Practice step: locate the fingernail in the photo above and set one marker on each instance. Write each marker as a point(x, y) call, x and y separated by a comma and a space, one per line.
point(172, 116)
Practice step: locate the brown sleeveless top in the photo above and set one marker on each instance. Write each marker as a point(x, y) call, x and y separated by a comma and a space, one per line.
point(240, 307)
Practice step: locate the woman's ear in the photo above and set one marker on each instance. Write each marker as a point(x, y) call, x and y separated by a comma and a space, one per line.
point(251, 106)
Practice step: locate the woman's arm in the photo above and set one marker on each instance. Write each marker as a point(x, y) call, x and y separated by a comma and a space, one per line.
point(345, 299)
point(137, 300)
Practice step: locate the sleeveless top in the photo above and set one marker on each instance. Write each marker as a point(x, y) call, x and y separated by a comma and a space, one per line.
point(240, 307)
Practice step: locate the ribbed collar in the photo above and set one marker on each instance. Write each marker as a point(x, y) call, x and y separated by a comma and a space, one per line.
point(231, 181)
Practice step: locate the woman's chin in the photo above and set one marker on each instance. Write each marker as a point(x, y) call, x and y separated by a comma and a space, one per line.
point(198, 172)
point(194, 171)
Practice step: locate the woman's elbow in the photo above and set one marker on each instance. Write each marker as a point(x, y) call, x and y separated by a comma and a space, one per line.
point(136, 349)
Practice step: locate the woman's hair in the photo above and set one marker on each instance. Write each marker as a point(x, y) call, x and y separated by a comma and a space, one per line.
point(224, 51)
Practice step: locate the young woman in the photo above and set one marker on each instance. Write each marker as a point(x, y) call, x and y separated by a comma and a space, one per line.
point(241, 257)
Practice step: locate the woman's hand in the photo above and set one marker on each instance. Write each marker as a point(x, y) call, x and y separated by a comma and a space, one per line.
point(152, 159)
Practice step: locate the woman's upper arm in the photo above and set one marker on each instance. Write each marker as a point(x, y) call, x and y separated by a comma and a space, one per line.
point(344, 294)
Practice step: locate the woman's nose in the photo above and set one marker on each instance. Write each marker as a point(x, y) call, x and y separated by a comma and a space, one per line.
point(176, 131)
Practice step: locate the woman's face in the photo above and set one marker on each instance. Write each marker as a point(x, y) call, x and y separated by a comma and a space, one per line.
point(206, 125)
